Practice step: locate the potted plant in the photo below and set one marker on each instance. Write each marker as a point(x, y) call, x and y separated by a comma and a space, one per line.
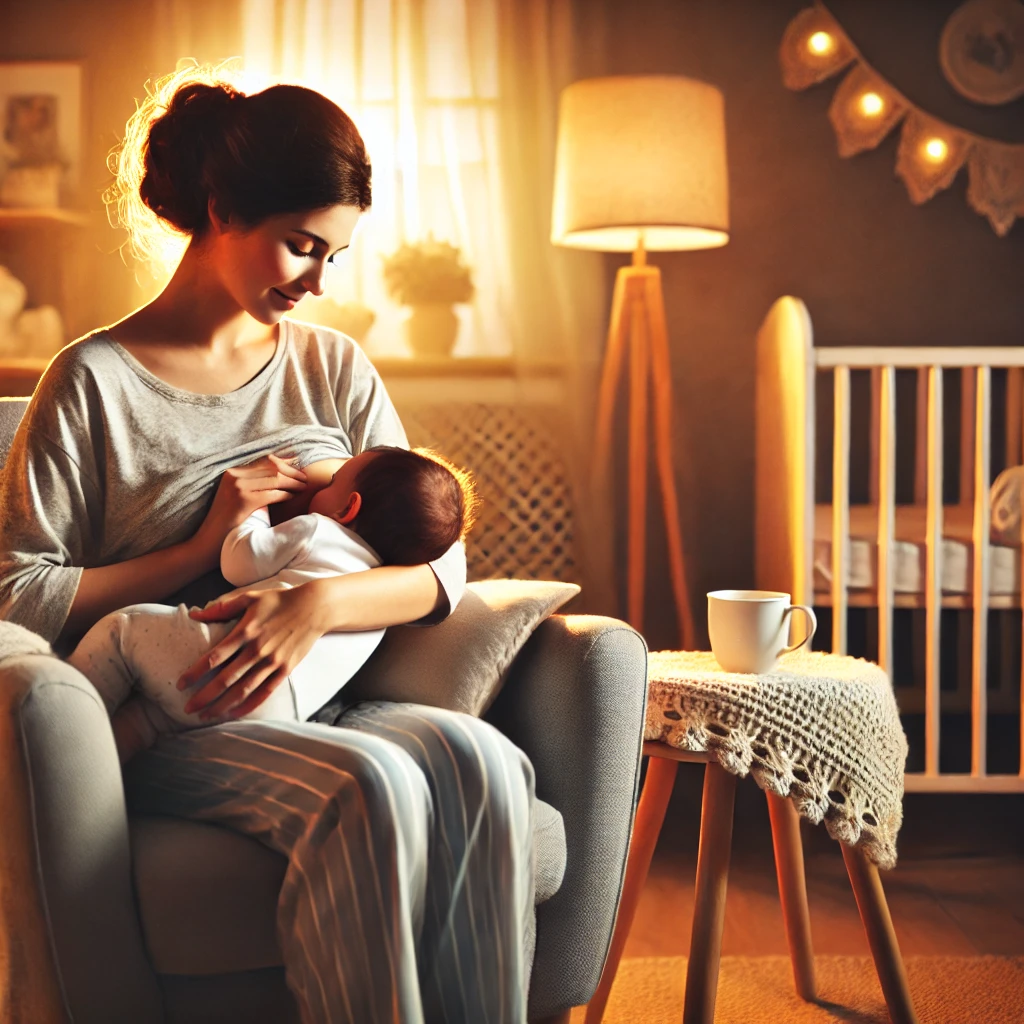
point(430, 277)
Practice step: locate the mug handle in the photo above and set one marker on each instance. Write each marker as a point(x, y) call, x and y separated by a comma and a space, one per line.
point(812, 623)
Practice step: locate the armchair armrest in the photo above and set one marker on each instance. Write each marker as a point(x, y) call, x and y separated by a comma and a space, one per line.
point(574, 703)
point(70, 942)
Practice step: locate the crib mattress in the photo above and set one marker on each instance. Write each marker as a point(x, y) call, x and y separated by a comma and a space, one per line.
point(956, 557)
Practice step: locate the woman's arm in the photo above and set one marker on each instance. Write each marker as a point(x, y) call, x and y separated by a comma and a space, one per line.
point(241, 490)
point(389, 595)
point(279, 627)
point(146, 578)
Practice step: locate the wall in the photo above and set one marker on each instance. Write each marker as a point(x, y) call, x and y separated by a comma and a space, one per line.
point(840, 234)
point(120, 44)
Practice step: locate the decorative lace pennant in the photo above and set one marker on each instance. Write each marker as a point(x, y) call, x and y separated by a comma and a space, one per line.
point(865, 108)
point(930, 155)
point(995, 186)
point(814, 48)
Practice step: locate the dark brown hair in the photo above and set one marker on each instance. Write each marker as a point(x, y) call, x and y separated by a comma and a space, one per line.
point(415, 506)
point(282, 150)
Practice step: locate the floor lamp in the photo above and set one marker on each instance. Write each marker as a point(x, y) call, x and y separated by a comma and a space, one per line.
point(640, 167)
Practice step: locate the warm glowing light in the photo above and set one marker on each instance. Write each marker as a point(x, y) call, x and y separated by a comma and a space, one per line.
point(821, 43)
point(871, 104)
point(936, 150)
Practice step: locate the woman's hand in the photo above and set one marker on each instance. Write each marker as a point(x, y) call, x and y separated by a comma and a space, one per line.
point(242, 490)
point(277, 630)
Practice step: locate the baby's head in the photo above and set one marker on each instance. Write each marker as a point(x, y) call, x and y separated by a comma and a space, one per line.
point(409, 506)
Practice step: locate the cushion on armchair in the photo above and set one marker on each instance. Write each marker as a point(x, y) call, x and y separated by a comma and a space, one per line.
point(16, 640)
point(460, 663)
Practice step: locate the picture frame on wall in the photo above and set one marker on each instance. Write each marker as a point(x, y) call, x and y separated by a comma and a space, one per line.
point(40, 132)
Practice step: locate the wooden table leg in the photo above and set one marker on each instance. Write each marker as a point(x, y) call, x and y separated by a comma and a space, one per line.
point(885, 950)
point(789, 867)
point(709, 903)
point(650, 813)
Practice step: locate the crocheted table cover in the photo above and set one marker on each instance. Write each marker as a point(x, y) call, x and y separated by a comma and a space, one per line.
point(821, 729)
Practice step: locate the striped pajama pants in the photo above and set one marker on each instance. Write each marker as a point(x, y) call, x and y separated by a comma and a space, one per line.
point(408, 830)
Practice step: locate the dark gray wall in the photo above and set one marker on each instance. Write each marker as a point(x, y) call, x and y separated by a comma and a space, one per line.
point(840, 234)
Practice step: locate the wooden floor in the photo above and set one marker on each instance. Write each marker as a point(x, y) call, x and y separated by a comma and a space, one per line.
point(958, 889)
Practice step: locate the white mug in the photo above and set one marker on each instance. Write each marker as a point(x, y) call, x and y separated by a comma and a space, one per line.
point(749, 629)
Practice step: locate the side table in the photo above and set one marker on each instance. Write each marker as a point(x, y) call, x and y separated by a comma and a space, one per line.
point(801, 744)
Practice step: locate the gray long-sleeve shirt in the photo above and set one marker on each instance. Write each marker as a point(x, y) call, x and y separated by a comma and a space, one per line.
point(110, 462)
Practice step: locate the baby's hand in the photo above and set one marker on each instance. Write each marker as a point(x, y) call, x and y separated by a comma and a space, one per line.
point(317, 476)
point(273, 479)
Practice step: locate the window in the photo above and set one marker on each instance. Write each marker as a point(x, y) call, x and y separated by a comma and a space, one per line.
point(420, 78)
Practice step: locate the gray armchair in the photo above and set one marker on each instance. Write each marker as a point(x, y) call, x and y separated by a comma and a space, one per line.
point(107, 916)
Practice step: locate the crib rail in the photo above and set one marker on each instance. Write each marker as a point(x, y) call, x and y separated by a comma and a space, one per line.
point(786, 368)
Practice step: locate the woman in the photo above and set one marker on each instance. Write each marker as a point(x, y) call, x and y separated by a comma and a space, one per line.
point(408, 831)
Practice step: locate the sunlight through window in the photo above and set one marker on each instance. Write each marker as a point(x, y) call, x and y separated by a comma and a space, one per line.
point(421, 83)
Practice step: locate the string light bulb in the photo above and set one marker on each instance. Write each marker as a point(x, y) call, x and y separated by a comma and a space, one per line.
point(821, 43)
point(871, 104)
point(936, 150)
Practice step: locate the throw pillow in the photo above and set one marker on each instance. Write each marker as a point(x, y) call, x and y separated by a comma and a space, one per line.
point(16, 640)
point(460, 663)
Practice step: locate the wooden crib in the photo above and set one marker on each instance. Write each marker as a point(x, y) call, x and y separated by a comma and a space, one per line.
point(912, 569)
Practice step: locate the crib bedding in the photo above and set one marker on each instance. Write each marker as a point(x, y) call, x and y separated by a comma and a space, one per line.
point(956, 557)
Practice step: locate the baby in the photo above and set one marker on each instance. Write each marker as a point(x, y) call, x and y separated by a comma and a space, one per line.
point(385, 506)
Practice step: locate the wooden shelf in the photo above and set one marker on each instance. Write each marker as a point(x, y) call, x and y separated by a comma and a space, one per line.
point(23, 367)
point(18, 377)
point(15, 217)
point(459, 366)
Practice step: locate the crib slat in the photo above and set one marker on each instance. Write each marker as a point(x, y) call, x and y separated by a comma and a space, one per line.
point(982, 457)
point(933, 572)
point(1015, 402)
point(921, 437)
point(967, 434)
point(1014, 425)
point(840, 507)
point(876, 398)
point(886, 512)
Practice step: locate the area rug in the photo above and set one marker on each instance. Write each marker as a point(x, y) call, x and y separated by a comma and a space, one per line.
point(759, 990)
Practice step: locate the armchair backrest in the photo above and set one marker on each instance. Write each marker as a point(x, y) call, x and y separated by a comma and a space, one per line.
point(11, 411)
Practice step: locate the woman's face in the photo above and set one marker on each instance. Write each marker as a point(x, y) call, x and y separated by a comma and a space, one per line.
point(268, 268)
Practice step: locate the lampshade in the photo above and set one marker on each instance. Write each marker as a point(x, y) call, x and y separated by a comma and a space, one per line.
point(641, 156)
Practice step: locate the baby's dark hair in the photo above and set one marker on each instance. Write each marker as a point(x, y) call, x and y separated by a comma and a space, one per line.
point(415, 504)
point(196, 137)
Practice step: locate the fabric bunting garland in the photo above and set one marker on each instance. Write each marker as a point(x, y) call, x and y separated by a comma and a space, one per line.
point(866, 108)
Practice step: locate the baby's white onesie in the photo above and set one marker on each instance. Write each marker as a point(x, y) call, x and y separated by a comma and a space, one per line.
point(146, 647)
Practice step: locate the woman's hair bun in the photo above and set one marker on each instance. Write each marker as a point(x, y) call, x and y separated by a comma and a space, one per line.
point(178, 151)
point(196, 137)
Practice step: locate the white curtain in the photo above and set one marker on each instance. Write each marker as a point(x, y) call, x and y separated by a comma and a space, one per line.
point(419, 78)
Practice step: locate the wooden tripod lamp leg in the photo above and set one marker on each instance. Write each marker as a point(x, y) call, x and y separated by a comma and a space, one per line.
point(789, 867)
point(638, 416)
point(610, 371)
point(638, 322)
point(661, 372)
point(709, 904)
point(650, 814)
point(885, 950)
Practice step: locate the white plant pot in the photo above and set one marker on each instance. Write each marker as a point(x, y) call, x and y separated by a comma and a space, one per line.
point(431, 329)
